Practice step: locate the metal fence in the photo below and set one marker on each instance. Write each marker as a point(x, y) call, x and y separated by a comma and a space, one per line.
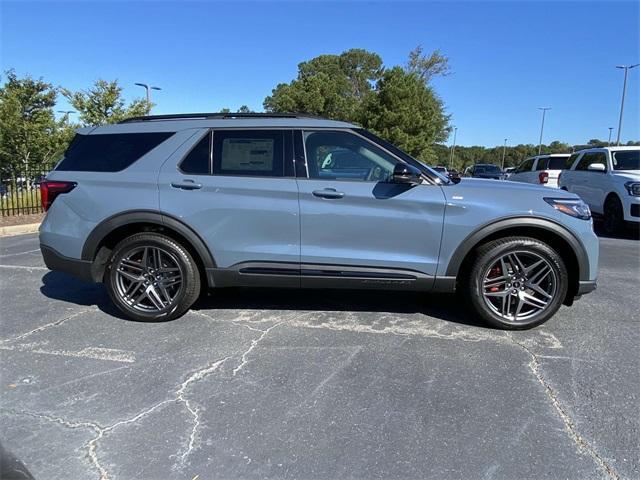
point(20, 189)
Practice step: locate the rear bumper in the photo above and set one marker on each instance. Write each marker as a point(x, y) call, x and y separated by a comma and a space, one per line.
point(73, 266)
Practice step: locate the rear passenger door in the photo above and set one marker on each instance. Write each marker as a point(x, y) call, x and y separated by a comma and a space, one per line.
point(237, 190)
point(358, 228)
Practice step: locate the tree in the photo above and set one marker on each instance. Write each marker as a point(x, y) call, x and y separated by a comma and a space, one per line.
point(406, 111)
point(332, 86)
point(29, 132)
point(427, 66)
point(103, 103)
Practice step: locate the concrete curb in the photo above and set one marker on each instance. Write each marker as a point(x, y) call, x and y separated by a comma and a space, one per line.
point(19, 229)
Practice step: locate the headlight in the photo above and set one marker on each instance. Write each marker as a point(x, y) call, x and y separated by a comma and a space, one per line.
point(633, 188)
point(574, 207)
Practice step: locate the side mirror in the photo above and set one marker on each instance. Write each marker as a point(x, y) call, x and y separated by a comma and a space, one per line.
point(407, 174)
point(596, 167)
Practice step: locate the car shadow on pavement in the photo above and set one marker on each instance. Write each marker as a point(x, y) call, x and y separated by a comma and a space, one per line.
point(629, 233)
point(448, 307)
point(442, 306)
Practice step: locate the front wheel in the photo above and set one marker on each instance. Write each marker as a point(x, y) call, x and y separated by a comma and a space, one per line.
point(517, 282)
point(151, 277)
point(613, 216)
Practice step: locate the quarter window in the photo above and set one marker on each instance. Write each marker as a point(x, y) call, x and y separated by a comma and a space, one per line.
point(108, 152)
point(333, 155)
point(198, 160)
point(248, 152)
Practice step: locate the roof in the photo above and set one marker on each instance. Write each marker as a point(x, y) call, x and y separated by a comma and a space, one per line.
point(612, 148)
point(176, 122)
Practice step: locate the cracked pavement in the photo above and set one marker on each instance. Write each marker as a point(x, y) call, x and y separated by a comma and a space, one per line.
point(316, 384)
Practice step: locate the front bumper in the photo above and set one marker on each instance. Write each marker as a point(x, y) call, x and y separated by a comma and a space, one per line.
point(586, 286)
point(73, 266)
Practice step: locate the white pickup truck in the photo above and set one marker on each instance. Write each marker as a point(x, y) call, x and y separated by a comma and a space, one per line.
point(608, 180)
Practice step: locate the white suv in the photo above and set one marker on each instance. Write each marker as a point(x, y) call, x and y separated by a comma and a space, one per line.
point(541, 169)
point(608, 180)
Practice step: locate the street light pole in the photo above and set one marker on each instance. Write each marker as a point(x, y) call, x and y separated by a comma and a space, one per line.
point(544, 111)
point(453, 148)
point(148, 88)
point(610, 130)
point(66, 114)
point(624, 91)
point(504, 152)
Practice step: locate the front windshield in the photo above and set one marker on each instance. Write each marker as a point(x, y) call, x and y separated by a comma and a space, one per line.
point(626, 160)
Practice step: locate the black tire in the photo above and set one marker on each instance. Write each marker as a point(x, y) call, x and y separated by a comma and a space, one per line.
point(166, 297)
point(613, 216)
point(489, 304)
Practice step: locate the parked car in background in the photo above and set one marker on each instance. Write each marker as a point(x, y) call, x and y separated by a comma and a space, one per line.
point(541, 169)
point(160, 207)
point(608, 180)
point(508, 172)
point(452, 174)
point(484, 170)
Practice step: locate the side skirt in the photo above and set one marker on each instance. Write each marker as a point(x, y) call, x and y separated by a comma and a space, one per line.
point(291, 275)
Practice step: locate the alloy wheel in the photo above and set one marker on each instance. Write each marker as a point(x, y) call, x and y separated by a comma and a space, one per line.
point(148, 279)
point(519, 286)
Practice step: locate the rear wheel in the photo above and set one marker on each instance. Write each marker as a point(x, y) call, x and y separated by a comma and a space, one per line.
point(517, 282)
point(613, 215)
point(151, 277)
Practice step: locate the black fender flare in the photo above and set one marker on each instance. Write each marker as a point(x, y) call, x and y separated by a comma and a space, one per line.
point(104, 228)
point(485, 231)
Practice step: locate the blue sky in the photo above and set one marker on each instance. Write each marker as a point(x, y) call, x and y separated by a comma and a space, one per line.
point(507, 57)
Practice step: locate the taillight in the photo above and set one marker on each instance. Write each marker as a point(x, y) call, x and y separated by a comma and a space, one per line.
point(49, 190)
point(543, 177)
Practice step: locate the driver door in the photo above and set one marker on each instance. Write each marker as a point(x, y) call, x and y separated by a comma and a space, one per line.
point(354, 221)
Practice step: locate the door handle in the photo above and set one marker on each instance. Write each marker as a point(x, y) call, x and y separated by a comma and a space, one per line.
point(330, 193)
point(186, 185)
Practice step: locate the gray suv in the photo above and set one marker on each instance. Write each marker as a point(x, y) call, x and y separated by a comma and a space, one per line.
point(160, 207)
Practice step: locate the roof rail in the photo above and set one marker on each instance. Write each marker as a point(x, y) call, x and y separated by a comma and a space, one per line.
point(208, 116)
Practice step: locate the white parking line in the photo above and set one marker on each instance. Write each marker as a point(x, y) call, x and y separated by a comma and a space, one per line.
point(19, 253)
point(23, 267)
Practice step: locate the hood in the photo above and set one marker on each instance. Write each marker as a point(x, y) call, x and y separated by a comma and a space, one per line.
point(502, 190)
point(633, 175)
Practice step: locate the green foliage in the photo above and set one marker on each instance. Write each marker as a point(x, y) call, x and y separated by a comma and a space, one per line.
point(397, 104)
point(242, 109)
point(29, 132)
point(333, 86)
point(103, 103)
point(406, 111)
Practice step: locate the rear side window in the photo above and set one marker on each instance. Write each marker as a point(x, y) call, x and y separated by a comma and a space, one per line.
point(108, 152)
point(255, 153)
point(542, 163)
point(525, 166)
point(198, 160)
point(556, 163)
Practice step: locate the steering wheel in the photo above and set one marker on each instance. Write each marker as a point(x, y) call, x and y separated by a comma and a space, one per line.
point(374, 173)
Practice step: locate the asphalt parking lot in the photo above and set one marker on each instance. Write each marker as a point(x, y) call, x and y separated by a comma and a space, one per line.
point(322, 385)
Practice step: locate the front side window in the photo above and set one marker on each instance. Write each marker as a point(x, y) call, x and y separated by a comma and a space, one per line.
point(571, 160)
point(109, 152)
point(590, 158)
point(626, 160)
point(248, 153)
point(334, 155)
